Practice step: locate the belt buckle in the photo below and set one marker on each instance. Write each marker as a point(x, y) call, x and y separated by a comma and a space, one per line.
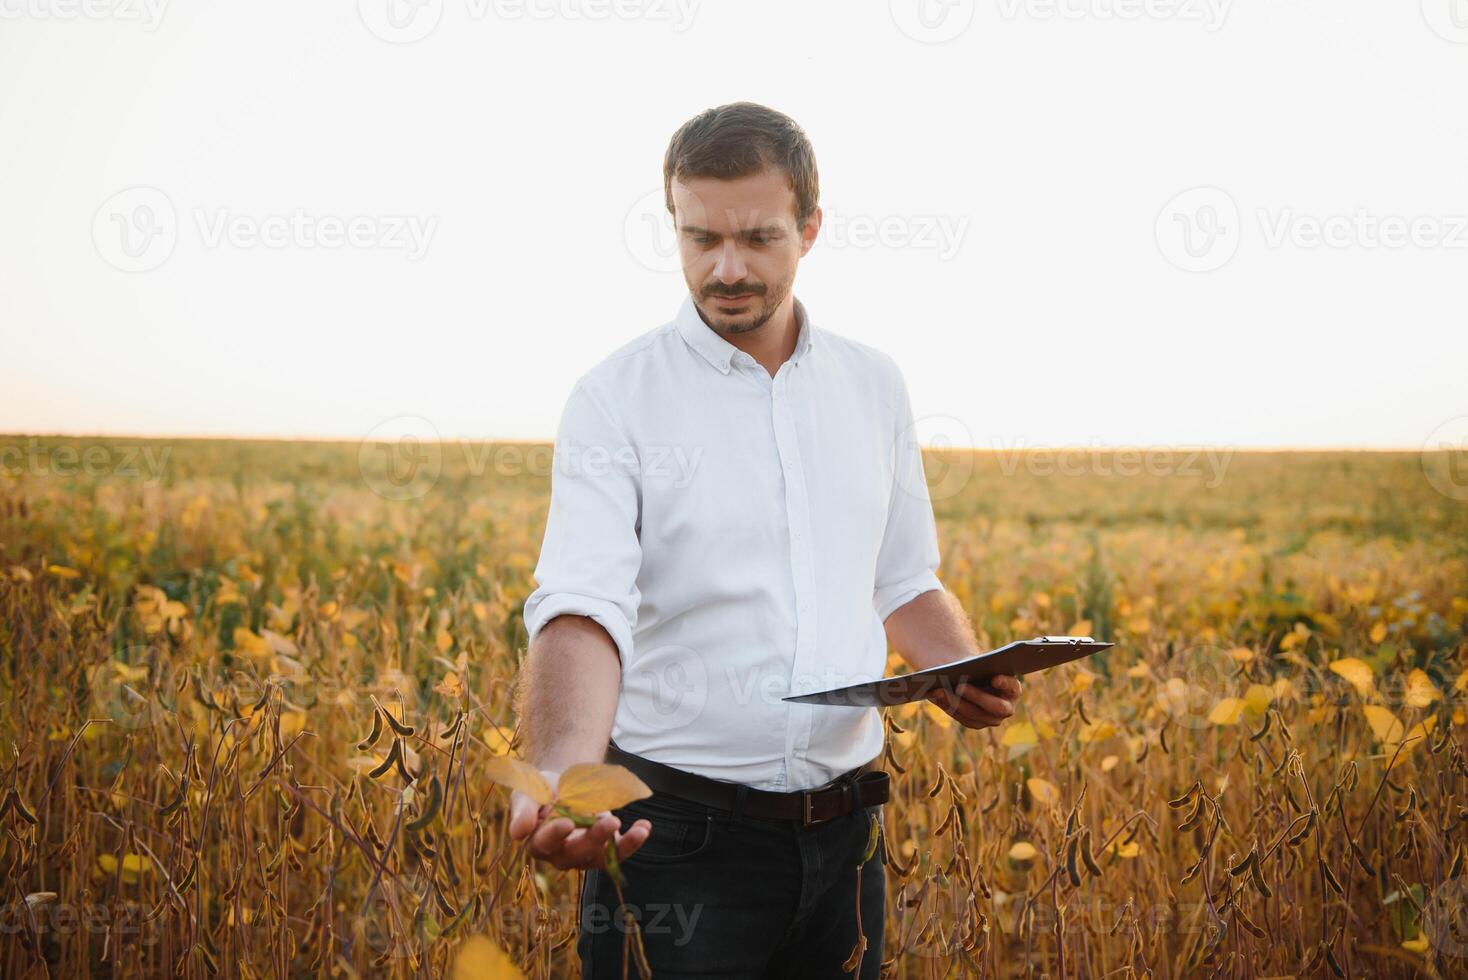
point(808, 795)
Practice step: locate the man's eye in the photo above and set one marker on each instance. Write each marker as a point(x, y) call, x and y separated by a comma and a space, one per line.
point(703, 239)
point(758, 240)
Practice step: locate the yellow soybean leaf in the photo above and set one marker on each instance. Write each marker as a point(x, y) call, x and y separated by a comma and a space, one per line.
point(520, 775)
point(134, 866)
point(450, 686)
point(1241, 655)
point(1043, 790)
point(1227, 712)
point(1385, 726)
point(1081, 627)
point(1378, 632)
point(1023, 851)
point(1358, 672)
point(1415, 737)
point(1020, 733)
point(1128, 850)
point(937, 714)
point(444, 641)
point(1421, 691)
point(1097, 731)
point(481, 959)
point(1256, 700)
point(591, 787)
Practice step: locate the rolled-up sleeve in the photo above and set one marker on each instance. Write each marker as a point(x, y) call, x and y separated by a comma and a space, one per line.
point(591, 553)
point(907, 562)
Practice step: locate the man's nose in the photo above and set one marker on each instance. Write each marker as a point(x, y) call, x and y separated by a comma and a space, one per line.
point(730, 266)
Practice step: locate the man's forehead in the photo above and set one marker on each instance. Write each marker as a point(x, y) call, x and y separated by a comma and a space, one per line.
point(743, 203)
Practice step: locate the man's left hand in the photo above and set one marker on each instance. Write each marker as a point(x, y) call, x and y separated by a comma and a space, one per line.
point(975, 706)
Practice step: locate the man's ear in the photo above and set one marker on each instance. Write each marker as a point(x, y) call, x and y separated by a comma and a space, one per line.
point(810, 231)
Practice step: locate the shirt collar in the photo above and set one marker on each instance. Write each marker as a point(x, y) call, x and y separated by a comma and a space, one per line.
point(718, 351)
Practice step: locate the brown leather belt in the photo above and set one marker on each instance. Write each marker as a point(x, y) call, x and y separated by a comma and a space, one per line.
point(863, 786)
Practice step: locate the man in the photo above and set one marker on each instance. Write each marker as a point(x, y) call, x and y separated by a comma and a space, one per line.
point(738, 513)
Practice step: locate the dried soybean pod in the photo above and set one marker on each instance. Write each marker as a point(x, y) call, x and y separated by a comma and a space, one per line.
point(1330, 878)
point(373, 735)
point(1086, 855)
point(1182, 801)
point(430, 809)
point(1334, 966)
point(21, 810)
point(394, 755)
point(1296, 840)
point(892, 760)
point(453, 729)
point(1257, 880)
point(1249, 861)
point(1248, 924)
point(178, 801)
point(1072, 871)
point(406, 731)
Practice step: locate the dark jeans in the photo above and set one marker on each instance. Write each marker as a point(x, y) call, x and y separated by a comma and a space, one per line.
point(751, 897)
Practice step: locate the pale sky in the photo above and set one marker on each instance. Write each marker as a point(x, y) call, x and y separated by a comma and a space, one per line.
point(1072, 222)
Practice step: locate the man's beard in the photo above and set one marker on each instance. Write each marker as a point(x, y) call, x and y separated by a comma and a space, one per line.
point(769, 301)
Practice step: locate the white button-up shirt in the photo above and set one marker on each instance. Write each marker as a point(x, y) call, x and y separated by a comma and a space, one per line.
point(741, 538)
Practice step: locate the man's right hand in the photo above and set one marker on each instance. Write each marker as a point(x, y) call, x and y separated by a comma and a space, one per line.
point(561, 843)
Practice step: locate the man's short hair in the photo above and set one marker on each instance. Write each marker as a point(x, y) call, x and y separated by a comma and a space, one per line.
point(739, 140)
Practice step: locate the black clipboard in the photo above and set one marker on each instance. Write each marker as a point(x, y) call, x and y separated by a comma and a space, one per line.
point(1017, 658)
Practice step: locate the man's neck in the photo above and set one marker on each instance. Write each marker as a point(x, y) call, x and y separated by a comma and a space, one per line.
point(772, 343)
